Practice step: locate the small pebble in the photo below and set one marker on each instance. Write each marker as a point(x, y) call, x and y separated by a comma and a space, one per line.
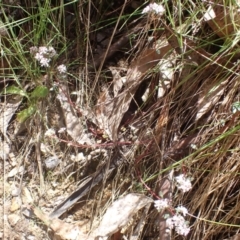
point(52, 162)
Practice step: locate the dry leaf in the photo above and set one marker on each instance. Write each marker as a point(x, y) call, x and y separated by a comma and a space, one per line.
point(224, 21)
point(4, 149)
point(110, 111)
point(7, 111)
point(13, 219)
point(210, 14)
point(15, 204)
point(162, 120)
point(74, 125)
point(209, 97)
point(15, 171)
point(62, 230)
point(140, 225)
point(26, 196)
point(118, 81)
point(83, 189)
point(6, 42)
point(120, 212)
point(166, 72)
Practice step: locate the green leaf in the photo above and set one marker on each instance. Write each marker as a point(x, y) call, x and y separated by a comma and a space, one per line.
point(39, 92)
point(26, 113)
point(16, 90)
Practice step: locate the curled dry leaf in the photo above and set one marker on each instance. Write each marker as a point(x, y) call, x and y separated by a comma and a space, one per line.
point(62, 230)
point(7, 110)
point(74, 125)
point(115, 218)
point(110, 111)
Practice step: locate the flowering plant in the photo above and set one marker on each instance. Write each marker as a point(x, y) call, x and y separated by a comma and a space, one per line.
point(43, 54)
point(154, 7)
point(177, 220)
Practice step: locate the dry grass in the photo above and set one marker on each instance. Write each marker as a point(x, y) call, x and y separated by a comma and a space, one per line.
point(185, 124)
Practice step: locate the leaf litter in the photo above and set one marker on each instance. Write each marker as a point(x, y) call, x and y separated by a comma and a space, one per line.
point(146, 118)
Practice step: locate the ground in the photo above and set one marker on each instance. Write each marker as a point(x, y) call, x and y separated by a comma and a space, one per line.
point(119, 120)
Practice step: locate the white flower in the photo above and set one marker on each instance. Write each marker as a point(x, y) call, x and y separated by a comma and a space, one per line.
point(62, 68)
point(183, 210)
point(80, 157)
point(161, 204)
point(43, 54)
point(154, 7)
point(170, 223)
point(61, 130)
point(49, 133)
point(38, 56)
point(193, 146)
point(43, 50)
point(33, 50)
point(178, 221)
point(183, 229)
point(61, 97)
point(146, 9)
point(47, 51)
point(181, 226)
point(183, 183)
point(51, 52)
point(44, 62)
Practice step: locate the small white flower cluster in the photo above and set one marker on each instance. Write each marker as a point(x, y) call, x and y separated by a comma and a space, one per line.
point(154, 7)
point(81, 157)
point(161, 204)
point(62, 97)
point(62, 69)
point(78, 158)
point(183, 183)
point(62, 130)
point(182, 209)
point(43, 54)
point(50, 133)
point(178, 222)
